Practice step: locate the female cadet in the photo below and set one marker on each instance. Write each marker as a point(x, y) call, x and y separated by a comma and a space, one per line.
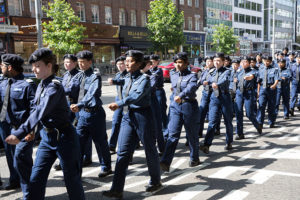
point(183, 111)
point(135, 125)
point(59, 138)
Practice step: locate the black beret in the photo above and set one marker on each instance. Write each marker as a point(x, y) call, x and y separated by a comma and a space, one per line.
point(268, 57)
point(147, 58)
point(138, 56)
point(236, 61)
point(121, 58)
point(281, 54)
point(71, 57)
point(85, 54)
point(246, 58)
point(39, 54)
point(208, 58)
point(292, 53)
point(182, 56)
point(219, 55)
point(154, 57)
point(227, 58)
point(281, 60)
point(259, 54)
point(12, 59)
point(252, 59)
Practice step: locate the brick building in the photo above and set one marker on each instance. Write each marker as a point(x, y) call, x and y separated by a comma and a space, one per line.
point(113, 26)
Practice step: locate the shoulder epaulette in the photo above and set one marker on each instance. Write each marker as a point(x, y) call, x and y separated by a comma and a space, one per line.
point(56, 81)
point(29, 80)
point(211, 70)
point(97, 72)
point(146, 75)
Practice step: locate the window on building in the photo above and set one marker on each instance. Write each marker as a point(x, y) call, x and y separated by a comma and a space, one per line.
point(241, 4)
point(181, 2)
point(15, 7)
point(253, 32)
point(258, 20)
point(132, 18)
point(197, 3)
point(81, 11)
point(122, 17)
point(248, 19)
point(253, 20)
point(258, 34)
point(197, 24)
point(190, 23)
point(108, 15)
point(236, 3)
point(95, 13)
point(253, 6)
point(189, 2)
point(241, 18)
point(31, 8)
point(258, 7)
point(144, 18)
point(242, 31)
point(236, 17)
point(236, 31)
point(248, 5)
point(248, 31)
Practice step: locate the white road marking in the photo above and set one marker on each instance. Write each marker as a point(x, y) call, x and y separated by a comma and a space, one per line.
point(245, 157)
point(264, 146)
point(285, 136)
point(295, 138)
point(279, 153)
point(236, 195)
point(261, 177)
point(297, 130)
point(251, 129)
point(223, 173)
point(177, 164)
point(91, 181)
point(190, 192)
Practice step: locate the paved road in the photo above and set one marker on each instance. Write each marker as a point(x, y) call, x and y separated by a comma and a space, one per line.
point(265, 167)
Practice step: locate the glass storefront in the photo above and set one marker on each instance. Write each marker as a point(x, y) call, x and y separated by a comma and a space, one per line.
point(25, 49)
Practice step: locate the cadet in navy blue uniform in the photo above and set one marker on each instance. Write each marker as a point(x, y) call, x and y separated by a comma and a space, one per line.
point(227, 62)
point(16, 99)
point(295, 71)
point(259, 59)
point(206, 92)
point(183, 111)
point(91, 122)
point(255, 68)
point(160, 92)
point(245, 94)
point(233, 85)
point(135, 125)
point(291, 61)
point(219, 100)
point(283, 88)
point(267, 82)
point(59, 138)
point(118, 80)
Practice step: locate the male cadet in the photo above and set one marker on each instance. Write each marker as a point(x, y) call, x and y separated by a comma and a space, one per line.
point(245, 94)
point(285, 52)
point(118, 80)
point(91, 120)
point(16, 99)
point(227, 62)
point(295, 70)
point(267, 82)
point(160, 92)
point(233, 84)
point(259, 61)
point(291, 61)
point(283, 88)
point(219, 100)
point(255, 68)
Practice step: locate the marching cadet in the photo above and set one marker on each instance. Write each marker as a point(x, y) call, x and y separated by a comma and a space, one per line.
point(59, 138)
point(118, 80)
point(160, 92)
point(227, 62)
point(206, 93)
point(283, 88)
point(183, 111)
point(295, 71)
point(136, 99)
point(291, 61)
point(16, 99)
point(233, 84)
point(91, 122)
point(245, 94)
point(255, 68)
point(285, 52)
point(267, 82)
point(259, 61)
point(220, 100)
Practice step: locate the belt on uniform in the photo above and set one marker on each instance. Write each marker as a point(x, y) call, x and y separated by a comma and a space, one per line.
point(50, 130)
point(247, 89)
point(188, 100)
point(90, 110)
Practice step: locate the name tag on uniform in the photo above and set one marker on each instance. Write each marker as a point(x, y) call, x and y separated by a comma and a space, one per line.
point(17, 89)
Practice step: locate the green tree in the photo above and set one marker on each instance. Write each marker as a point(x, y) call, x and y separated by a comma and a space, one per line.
point(165, 25)
point(63, 32)
point(224, 39)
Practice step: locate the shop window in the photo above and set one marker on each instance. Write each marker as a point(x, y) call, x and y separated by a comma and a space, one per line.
point(95, 14)
point(108, 15)
point(81, 11)
point(133, 18)
point(144, 18)
point(122, 17)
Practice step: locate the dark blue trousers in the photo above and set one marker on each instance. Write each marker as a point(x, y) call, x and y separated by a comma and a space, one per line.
point(294, 96)
point(162, 100)
point(116, 123)
point(266, 96)
point(156, 111)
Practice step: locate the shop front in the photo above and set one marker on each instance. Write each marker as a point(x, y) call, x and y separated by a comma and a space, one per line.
point(134, 38)
point(194, 43)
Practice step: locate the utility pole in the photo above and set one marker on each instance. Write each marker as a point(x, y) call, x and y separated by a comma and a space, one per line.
point(273, 39)
point(38, 13)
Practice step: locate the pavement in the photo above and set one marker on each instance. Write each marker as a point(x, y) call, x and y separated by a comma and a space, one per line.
point(259, 167)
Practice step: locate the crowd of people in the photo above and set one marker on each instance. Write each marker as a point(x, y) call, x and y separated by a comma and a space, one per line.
point(68, 115)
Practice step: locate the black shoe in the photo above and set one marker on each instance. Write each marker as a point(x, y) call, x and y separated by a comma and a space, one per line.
point(259, 129)
point(272, 126)
point(240, 137)
point(160, 154)
point(186, 143)
point(200, 135)
point(292, 112)
point(12, 186)
point(112, 195)
point(218, 132)
point(105, 173)
point(204, 148)
point(57, 167)
point(164, 167)
point(153, 188)
point(112, 150)
point(298, 108)
point(138, 145)
point(194, 163)
point(286, 118)
point(228, 147)
point(87, 162)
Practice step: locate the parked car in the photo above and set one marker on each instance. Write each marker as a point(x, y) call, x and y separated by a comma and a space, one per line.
point(168, 66)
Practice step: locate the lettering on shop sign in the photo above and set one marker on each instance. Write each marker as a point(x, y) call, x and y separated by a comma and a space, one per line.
point(137, 35)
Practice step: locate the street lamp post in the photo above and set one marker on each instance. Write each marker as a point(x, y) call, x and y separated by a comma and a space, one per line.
point(38, 12)
point(273, 38)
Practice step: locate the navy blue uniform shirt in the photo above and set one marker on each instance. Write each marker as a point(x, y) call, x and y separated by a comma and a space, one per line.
point(247, 83)
point(158, 76)
point(66, 81)
point(272, 76)
point(223, 80)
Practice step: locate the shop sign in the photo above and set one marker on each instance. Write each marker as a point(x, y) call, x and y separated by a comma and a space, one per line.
point(134, 34)
point(194, 38)
point(8, 29)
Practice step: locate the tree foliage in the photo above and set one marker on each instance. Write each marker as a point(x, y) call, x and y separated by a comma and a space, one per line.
point(63, 32)
point(165, 24)
point(224, 39)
